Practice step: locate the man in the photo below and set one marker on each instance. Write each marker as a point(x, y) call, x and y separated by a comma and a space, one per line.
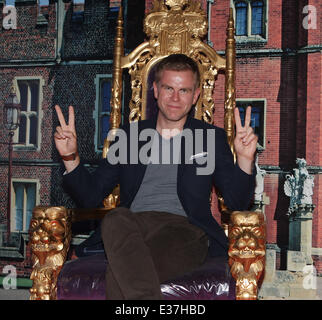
point(163, 227)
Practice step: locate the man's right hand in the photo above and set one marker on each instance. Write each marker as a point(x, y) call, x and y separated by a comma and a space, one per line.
point(66, 139)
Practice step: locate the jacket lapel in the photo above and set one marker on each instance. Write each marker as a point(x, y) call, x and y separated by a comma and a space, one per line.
point(182, 166)
point(141, 167)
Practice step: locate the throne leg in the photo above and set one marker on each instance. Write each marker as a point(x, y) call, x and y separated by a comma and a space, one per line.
point(50, 236)
point(247, 234)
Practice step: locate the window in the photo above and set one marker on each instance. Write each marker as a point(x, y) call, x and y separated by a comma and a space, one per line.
point(43, 6)
point(78, 11)
point(102, 109)
point(257, 17)
point(29, 95)
point(250, 17)
point(241, 18)
point(105, 111)
point(25, 198)
point(257, 117)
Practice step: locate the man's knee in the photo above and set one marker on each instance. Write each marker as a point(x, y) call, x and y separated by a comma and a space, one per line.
point(115, 219)
point(117, 228)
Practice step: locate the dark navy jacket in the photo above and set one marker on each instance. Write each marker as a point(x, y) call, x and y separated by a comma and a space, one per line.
point(194, 191)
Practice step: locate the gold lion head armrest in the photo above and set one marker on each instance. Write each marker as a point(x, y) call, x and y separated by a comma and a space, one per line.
point(50, 238)
point(247, 237)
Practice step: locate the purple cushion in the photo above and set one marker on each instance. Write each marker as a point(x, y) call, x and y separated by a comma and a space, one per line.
point(84, 279)
point(211, 281)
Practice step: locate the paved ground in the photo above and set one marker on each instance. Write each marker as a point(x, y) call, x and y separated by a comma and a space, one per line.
point(17, 294)
point(23, 294)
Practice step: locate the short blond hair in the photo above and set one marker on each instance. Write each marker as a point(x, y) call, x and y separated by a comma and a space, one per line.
point(177, 62)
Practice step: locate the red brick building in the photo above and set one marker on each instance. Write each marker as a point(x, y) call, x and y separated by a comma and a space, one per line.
point(278, 47)
point(58, 53)
point(279, 72)
point(62, 54)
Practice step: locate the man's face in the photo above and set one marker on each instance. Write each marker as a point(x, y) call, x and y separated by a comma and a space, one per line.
point(175, 94)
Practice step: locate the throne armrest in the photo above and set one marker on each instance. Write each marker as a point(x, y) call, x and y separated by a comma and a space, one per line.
point(247, 237)
point(50, 238)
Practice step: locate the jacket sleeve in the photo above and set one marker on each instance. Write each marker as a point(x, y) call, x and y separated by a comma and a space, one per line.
point(236, 186)
point(87, 189)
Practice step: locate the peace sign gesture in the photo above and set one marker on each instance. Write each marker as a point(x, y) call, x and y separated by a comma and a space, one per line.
point(245, 141)
point(65, 136)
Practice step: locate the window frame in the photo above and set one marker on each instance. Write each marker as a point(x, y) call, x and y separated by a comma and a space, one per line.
point(39, 11)
point(78, 15)
point(249, 37)
point(6, 4)
point(246, 27)
point(27, 146)
point(97, 111)
point(262, 18)
point(13, 202)
point(249, 101)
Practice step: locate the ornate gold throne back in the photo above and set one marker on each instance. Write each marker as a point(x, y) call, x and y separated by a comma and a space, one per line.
point(173, 26)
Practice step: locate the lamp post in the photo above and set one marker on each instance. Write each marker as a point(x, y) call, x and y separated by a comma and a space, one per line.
point(11, 121)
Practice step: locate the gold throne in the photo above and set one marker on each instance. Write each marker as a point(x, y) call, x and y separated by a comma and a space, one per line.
point(172, 26)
